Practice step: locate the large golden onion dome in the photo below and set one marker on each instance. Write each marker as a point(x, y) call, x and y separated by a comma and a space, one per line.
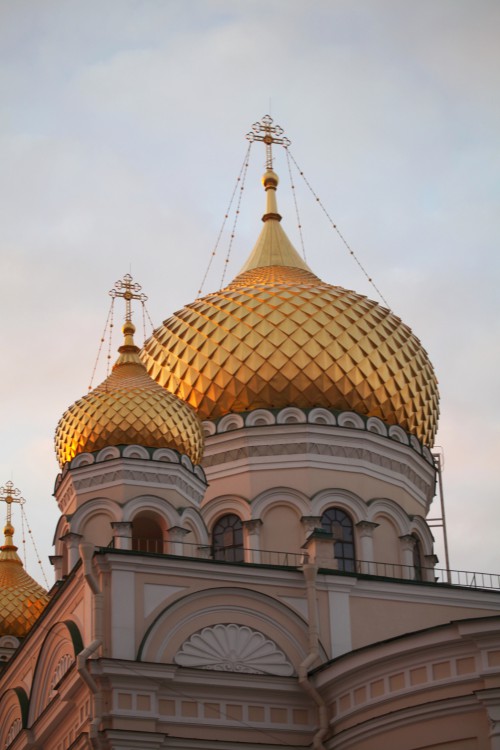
point(22, 599)
point(278, 336)
point(128, 408)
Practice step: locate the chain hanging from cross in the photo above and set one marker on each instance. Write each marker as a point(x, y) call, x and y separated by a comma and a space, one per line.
point(268, 133)
point(10, 494)
point(129, 290)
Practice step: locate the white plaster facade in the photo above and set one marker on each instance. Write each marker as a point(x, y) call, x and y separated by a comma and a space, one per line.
point(171, 648)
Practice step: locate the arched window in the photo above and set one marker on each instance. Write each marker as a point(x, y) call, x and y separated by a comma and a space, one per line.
point(417, 558)
point(147, 534)
point(227, 539)
point(338, 523)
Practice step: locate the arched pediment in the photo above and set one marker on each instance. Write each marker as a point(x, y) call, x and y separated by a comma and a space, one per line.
point(393, 511)
point(13, 715)
point(219, 506)
point(280, 496)
point(153, 504)
point(235, 607)
point(339, 498)
point(57, 656)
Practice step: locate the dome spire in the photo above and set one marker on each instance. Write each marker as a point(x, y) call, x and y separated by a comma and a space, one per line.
point(128, 290)
point(273, 248)
point(22, 600)
point(10, 494)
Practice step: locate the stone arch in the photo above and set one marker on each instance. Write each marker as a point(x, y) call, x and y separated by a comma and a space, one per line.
point(209, 428)
point(343, 499)
point(230, 422)
point(83, 459)
point(14, 707)
point(278, 495)
point(291, 415)
point(136, 451)
point(260, 418)
point(392, 524)
point(389, 508)
point(154, 504)
point(151, 518)
point(93, 520)
point(397, 433)
point(188, 615)
point(419, 528)
point(280, 510)
point(318, 415)
point(167, 455)
point(61, 529)
point(350, 419)
point(108, 454)
point(223, 504)
point(56, 657)
point(374, 424)
point(192, 520)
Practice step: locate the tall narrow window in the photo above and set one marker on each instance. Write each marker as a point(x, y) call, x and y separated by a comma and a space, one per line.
point(417, 558)
point(227, 539)
point(338, 523)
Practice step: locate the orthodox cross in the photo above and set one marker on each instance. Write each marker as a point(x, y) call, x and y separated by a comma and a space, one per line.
point(128, 290)
point(10, 494)
point(268, 133)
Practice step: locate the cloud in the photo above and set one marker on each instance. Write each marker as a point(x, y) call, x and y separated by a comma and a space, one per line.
point(123, 137)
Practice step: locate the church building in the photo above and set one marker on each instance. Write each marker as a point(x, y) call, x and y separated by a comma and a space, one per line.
point(242, 557)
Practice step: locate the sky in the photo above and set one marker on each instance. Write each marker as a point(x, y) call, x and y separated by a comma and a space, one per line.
point(122, 133)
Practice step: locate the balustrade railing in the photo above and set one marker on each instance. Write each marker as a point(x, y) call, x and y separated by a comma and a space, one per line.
point(245, 555)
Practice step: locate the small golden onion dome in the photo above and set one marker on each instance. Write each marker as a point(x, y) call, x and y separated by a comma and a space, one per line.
point(128, 408)
point(279, 336)
point(22, 599)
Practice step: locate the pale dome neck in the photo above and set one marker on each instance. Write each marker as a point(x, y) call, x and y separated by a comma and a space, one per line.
point(8, 550)
point(129, 352)
point(273, 248)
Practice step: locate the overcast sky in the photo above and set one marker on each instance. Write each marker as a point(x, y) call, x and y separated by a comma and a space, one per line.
point(121, 137)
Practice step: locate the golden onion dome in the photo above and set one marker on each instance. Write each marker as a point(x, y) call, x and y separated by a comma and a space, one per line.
point(278, 336)
point(22, 599)
point(128, 408)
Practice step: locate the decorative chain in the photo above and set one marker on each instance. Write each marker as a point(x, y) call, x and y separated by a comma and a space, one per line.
point(103, 339)
point(35, 547)
point(236, 216)
point(339, 233)
point(243, 169)
point(296, 204)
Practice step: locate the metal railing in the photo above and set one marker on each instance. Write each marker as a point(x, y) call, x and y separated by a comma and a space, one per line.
point(276, 558)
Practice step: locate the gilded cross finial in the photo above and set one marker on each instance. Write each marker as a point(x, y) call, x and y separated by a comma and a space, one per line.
point(10, 494)
point(268, 133)
point(129, 290)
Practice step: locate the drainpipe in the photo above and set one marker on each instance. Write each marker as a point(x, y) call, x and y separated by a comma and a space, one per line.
point(86, 553)
point(310, 572)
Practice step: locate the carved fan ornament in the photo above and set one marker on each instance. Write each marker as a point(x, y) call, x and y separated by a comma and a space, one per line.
point(233, 648)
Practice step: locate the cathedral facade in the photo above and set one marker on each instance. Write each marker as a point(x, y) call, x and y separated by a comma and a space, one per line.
point(243, 557)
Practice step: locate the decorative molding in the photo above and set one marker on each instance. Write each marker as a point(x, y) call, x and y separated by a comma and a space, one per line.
point(349, 455)
point(317, 415)
point(162, 473)
point(233, 648)
point(14, 730)
point(62, 666)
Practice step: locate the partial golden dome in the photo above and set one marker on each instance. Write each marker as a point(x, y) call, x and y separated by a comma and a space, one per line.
point(22, 600)
point(128, 408)
point(278, 336)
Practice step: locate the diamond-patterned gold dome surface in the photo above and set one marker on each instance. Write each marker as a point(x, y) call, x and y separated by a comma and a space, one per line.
point(129, 408)
point(278, 336)
point(22, 600)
